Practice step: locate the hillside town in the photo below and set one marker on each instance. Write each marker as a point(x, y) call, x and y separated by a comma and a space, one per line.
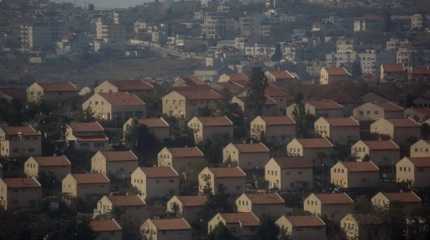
point(215, 120)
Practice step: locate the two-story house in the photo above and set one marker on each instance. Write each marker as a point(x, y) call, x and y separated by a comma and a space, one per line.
point(185, 160)
point(261, 204)
point(51, 92)
point(242, 224)
point(399, 129)
point(273, 128)
point(362, 226)
point(355, 175)
point(229, 180)
point(302, 227)
point(405, 200)
point(106, 229)
point(246, 156)
point(19, 193)
point(86, 136)
point(158, 127)
point(85, 185)
point(331, 205)
point(338, 130)
point(58, 166)
point(155, 182)
point(137, 87)
point(22, 141)
point(190, 207)
point(382, 152)
point(414, 171)
point(316, 149)
point(117, 164)
point(205, 128)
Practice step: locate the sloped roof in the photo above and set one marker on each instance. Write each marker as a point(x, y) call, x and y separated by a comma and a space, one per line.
point(185, 152)
point(86, 127)
point(343, 122)
point(225, 172)
point(126, 201)
point(393, 68)
point(23, 130)
point(246, 219)
point(21, 182)
point(122, 99)
point(404, 122)
point(315, 142)
point(336, 71)
point(278, 120)
point(334, 198)
point(90, 178)
point(200, 94)
point(154, 122)
point(53, 161)
point(159, 172)
point(265, 198)
point(403, 197)
point(171, 224)
point(380, 145)
point(421, 162)
point(193, 201)
point(58, 87)
point(294, 163)
point(360, 166)
point(389, 106)
point(105, 225)
point(325, 104)
point(215, 121)
point(305, 221)
point(119, 156)
point(133, 85)
point(252, 148)
point(282, 75)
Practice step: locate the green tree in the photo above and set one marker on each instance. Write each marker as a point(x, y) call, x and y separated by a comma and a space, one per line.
point(303, 120)
point(268, 230)
point(256, 98)
point(221, 233)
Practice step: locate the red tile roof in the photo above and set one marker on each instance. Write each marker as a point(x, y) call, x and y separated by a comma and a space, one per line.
point(336, 71)
point(215, 121)
point(172, 224)
point(241, 78)
point(381, 145)
point(245, 219)
point(119, 156)
point(53, 161)
point(265, 198)
point(133, 85)
point(274, 91)
point(315, 142)
point(360, 166)
point(58, 87)
point(305, 221)
point(160, 172)
point(282, 75)
point(200, 94)
point(154, 122)
point(91, 178)
point(421, 162)
point(193, 201)
point(403, 197)
point(325, 104)
point(86, 127)
point(420, 71)
point(278, 120)
point(19, 182)
point(252, 148)
point(390, 107)
point(343, 122)
point(121, 99)
point(394, 68)
point(105, 225)
point(126, 201)
point(224, 172)
point(186, 152)
point(404, 123)
point(334, 198)
point(294, 163)
point(21, 130)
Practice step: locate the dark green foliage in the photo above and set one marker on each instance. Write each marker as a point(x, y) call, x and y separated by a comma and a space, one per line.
point(304, 121)
point(277, 56)
point(213, 149)
point(221, 233)
point(256, 98)
point(268, 230)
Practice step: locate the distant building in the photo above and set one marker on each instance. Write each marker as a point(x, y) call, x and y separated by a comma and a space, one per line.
point(393, 73)
point(414, 171)
point(118, 164)
point(22, 141)
point(362, 226)
point(86, 136)
point(330, 205)
point(106, 229)
point(243, 225)
point(230, 180)
point(51, 92)
point(399, 129)
point(85, 185)
point(155, 182)
point(185, 160)
point(349, 174)
point(261, 204)
point(158, 127)
point(58, 166)
point(333, 74)
point(246, 156)
point(166, 229)
point(302, 227)
point(273, 128)
point(205, 128)
point(382, 153)
point(188, 207)
point(19, 193)
point(405, 200)
point(338, 130)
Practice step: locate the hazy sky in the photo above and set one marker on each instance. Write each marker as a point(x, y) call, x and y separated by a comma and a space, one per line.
point(107, 3)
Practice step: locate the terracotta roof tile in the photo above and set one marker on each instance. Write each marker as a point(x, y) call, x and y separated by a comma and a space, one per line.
point(58, 87)
point(334, 198)
point(390, 106)
point(186, 152)
point(381, 145)
point(159, 172)
point(119, 156)
point(423, 70)
point(241, 78)
point(404, 122)
point(246, 219)
point(315, 143)
point(86, 127)
point(215, 121)
point(403, 197)
point(126, 201)
point(305, 221)
point(200, 94)
point(294, 163)
point(225, 172)
point(343, 122)
point(21, 182)
point(282, 75)
point(122, 99)
point(421, 162)
point(361, 166)
point(265, 198)
point(23, 130)
point(393, 68)
point(105, 225)
point(278, 120)
point(53, 161)
point(133, 85)
point(193, 201)
point(252, 148)
point(154, 122)
point(325, 104)
point(91, 178)
point(336, 71)
point(173, 224)
point(274, 91)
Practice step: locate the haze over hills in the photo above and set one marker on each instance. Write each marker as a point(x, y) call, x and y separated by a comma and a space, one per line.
point(107, 3)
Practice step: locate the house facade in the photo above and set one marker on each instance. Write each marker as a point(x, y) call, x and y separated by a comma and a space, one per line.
point(261, 204)
point(246, 156)
point(85, 185)
point(117, 164)
point(355, 175)
point(331, 205)
point(205, 128)
point(186, 160)
point(413, 171)
point(230, 180)
point(302, 227)
point(51, 92)
point(155, 182)
point(339, 130)
point(16, 193)
point(58, 166)
point(399, 129)
point(22, 141)
point(166, 229)
point(273, 128)
point(86, 136)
